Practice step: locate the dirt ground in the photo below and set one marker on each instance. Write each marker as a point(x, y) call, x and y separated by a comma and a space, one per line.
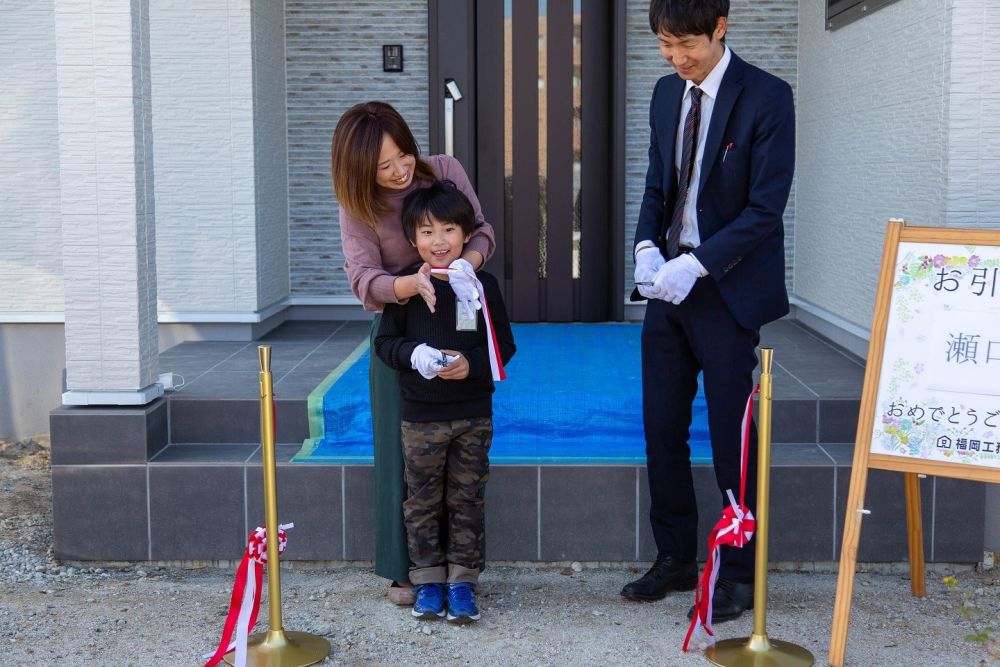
point(114, 614)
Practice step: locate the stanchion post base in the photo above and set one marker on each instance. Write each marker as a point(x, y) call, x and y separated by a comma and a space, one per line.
point(745, 652)
point(283, 649)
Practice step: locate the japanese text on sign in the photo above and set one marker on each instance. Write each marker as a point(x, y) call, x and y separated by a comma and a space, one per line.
point(939, 391)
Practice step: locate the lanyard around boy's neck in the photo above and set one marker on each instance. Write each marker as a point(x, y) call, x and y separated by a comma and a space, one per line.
point(496, 363)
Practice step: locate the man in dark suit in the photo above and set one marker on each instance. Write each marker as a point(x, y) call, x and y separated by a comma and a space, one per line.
point(709, 257)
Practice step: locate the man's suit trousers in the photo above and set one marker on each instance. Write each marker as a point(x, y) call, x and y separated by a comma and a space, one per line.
point(678, 341)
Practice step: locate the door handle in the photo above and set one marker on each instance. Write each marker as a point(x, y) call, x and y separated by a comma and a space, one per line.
point(452, 94)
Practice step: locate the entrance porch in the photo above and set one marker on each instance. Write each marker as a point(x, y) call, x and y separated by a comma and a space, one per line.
point(181, 478)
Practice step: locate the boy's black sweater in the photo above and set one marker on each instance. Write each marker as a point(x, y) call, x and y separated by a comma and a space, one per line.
point(406, 326)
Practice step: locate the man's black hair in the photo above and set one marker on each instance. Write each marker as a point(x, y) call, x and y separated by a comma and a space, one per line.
point(686, 17)
point(442, 200)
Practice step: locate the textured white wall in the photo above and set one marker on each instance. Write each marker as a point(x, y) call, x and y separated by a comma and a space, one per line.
point(872, 144)
point(762, 32)
point(974, 115)
point(221, 161)
point(973, 198)
point(270, 152)
point(203, 123)
point(30, 225)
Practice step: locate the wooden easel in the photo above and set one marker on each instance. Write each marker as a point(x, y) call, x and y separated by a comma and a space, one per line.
point(864, 459)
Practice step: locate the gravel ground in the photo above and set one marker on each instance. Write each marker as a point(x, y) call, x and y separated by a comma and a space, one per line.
point(54, 613)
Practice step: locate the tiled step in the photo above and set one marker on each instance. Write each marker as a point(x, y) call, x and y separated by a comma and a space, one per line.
point(220, 400)
point(221, 420)
point(199, 501)
point(181, 478)
point(816, 386)
point(805, 419)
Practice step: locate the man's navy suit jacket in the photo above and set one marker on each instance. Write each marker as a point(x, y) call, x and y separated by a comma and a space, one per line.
point(745, 179)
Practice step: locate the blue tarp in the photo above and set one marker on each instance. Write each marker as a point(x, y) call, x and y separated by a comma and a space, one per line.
point(573, 395)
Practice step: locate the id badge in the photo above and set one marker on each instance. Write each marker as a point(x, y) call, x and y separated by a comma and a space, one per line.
point(465, 317)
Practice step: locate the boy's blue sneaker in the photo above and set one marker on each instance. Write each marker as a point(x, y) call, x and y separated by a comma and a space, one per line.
point(462, 603)
point(430, 601)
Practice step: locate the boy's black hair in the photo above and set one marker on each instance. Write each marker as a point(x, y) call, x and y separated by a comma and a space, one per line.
point(443, 200)
point(686, 17)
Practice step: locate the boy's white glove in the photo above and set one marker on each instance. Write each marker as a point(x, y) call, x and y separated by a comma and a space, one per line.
point(462, 279)
point(675, 279)
point(647, 263)
point(428, 360)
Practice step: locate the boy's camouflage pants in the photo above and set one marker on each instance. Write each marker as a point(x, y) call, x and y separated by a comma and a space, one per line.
point(447, 465)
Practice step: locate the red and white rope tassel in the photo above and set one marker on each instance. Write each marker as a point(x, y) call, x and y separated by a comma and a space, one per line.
point(734, 529)
point(245, 601)
point(496, 363)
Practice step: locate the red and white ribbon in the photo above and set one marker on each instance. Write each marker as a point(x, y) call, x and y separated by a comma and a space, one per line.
point(496, 363)
point(734, 529)
point(245, 601)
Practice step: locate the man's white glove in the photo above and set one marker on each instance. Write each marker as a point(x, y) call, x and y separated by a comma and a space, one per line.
point(462, 279)
point(647, 263)
point(675, 279)
point(428, 360)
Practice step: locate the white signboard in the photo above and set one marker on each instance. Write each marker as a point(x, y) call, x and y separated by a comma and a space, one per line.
point(939, 390)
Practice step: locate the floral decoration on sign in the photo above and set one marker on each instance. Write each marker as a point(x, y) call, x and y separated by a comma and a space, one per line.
point(922, 270)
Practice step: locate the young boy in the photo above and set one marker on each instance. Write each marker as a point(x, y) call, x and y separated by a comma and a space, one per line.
point(446, 381)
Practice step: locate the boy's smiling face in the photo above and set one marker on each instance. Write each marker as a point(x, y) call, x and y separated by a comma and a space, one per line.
point(439, 243)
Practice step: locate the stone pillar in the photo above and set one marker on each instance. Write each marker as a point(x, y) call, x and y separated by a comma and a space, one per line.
point(106, 183)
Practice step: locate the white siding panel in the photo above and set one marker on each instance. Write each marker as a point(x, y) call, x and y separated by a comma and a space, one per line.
point(30, 224)
point(203, 127)
point(871, 145)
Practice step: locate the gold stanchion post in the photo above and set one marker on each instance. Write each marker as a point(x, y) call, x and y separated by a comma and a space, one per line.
point(758, 650)
point(276, 647)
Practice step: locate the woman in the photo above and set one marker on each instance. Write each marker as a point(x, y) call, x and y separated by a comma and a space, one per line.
point(375, 164)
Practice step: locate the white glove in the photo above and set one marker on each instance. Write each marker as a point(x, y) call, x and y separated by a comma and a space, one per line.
point(462, 279)
point(675, 279)
point(428, 360)
point(647, 263)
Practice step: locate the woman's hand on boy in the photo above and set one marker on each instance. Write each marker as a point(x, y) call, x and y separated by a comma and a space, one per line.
point(424, 287)
point(417, 284)
point(457, 369)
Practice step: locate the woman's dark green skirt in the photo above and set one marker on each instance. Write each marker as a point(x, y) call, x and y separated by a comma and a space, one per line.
point(392, 560)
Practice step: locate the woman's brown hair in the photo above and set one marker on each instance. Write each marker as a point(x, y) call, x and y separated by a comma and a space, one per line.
point(357, 142)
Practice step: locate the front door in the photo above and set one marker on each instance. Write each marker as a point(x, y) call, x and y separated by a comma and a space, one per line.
point(537, 129)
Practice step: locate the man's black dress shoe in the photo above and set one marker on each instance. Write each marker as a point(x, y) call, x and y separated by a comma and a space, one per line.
point(667, 574)
point(731, 599)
